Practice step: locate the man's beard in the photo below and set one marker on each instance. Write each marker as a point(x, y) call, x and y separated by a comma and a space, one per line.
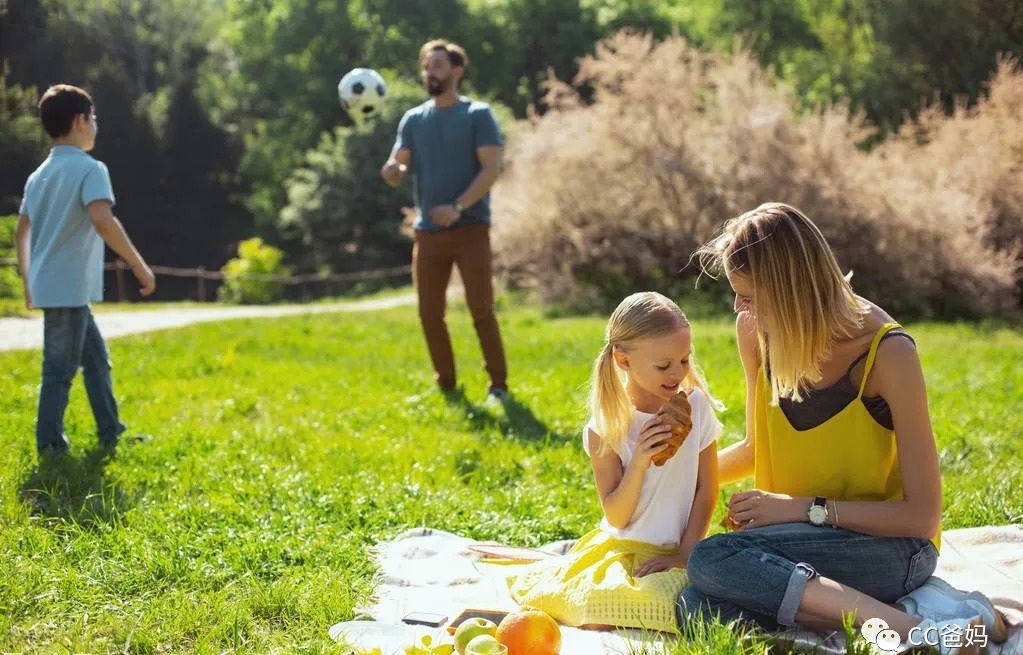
point(436, 87)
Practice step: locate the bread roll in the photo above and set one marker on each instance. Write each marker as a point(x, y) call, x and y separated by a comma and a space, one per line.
point(679, 415)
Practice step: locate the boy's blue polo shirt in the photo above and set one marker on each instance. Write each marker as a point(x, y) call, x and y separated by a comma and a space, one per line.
point(66, 256)
point(443, 141)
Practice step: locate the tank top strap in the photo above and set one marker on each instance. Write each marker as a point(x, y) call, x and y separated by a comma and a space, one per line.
point(872, 354)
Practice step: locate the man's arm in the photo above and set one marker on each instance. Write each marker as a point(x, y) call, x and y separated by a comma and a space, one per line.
point(112, 232)
point(22, 236)
point(490, 162)
point(396, 167)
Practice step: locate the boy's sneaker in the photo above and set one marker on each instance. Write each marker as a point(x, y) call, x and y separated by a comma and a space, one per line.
point(53, 453)
point(952, 637)
point(937, 600)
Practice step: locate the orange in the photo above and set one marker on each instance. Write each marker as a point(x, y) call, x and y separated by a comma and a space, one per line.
point(529, 631)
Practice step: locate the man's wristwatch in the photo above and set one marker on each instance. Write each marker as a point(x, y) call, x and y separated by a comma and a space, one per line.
point(817, 513)
point(459, 207)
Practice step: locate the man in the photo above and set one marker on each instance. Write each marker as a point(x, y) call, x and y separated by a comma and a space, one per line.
point(452, 145)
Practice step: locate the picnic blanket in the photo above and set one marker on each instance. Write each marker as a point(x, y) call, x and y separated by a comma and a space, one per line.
point(435, 571)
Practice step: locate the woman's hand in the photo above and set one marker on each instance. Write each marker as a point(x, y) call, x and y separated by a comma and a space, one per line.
point(662, 563)
point(652, 440)
point(756, 508)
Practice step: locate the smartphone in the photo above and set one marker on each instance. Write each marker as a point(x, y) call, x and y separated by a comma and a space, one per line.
point(425, 618)
point(493, 615)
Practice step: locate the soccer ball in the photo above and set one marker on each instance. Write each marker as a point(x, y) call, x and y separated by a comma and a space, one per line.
point(362, 92)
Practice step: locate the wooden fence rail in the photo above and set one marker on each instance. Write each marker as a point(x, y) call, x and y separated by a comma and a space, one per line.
point(201, 274)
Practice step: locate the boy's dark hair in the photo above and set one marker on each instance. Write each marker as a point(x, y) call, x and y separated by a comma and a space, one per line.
point(59, 106)
point(456, 53)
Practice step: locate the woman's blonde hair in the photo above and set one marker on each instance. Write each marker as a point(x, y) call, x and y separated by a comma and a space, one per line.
point(639, 316)
point(803, 301)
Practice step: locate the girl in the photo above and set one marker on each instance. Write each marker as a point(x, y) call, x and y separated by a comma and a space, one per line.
point(628, 572)
point(844, 514)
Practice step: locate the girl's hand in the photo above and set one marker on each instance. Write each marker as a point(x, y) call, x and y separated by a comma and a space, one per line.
point(756, 508)
point(661, 563)
point(652, 440)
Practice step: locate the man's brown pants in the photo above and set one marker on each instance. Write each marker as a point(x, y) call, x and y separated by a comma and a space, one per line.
point(433, 255)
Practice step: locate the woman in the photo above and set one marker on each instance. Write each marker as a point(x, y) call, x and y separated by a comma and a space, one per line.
point(844, 516)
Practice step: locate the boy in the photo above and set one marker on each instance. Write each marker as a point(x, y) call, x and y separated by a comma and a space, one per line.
point(64, 219)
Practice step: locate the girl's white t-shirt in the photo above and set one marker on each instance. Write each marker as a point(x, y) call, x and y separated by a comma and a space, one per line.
point(666, 498)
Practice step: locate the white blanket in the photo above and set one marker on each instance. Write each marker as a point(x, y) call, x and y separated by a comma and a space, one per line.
point(434, 571)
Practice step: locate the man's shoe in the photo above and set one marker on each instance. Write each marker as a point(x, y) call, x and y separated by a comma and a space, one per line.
point(937, 600)
point(498, 395)
point(110, 445)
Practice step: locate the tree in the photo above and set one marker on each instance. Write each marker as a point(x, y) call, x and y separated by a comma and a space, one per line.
point(171, 166)
point(23, 142)
point(340, 215)
point(273, 78)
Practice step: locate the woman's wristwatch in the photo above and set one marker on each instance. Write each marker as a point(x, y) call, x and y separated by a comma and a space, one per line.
point(459, 207)
point(817, 512)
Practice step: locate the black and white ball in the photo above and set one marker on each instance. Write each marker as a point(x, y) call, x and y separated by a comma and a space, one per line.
point(362, 92)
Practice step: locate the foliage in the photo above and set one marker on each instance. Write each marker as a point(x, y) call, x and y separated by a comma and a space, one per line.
point(254, 258)
point(11, 286)
point(339, 210)
point(173, 169)
point(708, 137)
point(285, 449)
point(883, 58)
point(272, 77)
point(24, 142)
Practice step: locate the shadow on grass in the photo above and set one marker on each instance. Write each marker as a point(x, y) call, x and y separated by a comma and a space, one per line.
point(510, 417)
point(67, 489)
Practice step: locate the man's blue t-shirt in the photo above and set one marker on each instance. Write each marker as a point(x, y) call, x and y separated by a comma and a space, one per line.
point(66, 252)
point(443, 141)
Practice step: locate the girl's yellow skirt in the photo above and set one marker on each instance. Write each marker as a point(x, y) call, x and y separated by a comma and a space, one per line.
point(593, 583)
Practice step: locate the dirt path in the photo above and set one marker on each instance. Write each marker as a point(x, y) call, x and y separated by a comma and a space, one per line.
point(27, 333)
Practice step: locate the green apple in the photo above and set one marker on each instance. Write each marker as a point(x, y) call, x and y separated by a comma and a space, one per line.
point(473, 628)
point(484, 645)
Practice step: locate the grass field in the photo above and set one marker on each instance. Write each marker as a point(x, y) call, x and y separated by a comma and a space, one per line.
point(284, 448)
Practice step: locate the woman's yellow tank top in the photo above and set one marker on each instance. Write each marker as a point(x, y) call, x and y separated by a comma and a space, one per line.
point(850, 456)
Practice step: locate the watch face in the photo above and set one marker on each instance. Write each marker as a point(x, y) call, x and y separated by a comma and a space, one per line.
point(818, 514)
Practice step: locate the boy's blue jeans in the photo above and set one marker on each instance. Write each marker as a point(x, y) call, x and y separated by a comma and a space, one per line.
point(759, 575)
point(72, 340)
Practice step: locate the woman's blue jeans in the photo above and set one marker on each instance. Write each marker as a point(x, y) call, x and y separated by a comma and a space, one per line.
point(759, 575)
point(71, 341)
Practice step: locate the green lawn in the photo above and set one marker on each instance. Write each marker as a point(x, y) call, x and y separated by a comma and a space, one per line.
point(284, 448)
